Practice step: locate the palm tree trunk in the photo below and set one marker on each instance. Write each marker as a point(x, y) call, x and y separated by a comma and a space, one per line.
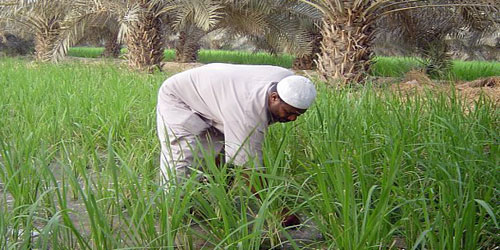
point(145, 42)
point(436, 58)
point(309, 61)
point(346, 47)
point(42, 47)
point(112, 47)
point(188, 46)
point(45, 41)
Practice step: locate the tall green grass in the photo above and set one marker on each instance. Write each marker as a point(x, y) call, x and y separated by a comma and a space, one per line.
point(79, 166)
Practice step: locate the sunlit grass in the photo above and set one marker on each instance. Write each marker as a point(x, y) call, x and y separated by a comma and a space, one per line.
point(79, 166)
point(471, 70)
point(460, 70)
point(87, 52)
point(393, 66)
point(205, 56)
point(240, 57)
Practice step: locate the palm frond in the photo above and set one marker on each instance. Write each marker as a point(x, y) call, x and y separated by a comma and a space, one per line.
point(203, 14)
point(74, 26)
point(129, 18)
point(304, 10)
point(273, 25)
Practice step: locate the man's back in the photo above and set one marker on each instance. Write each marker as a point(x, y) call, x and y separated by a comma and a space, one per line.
point(223, 93)
point(231, 98)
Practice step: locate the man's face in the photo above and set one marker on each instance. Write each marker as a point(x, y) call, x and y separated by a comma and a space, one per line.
point(281, 111)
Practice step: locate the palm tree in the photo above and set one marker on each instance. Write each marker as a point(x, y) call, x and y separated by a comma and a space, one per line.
point(144, 25)
point(105, 27)
point(424, 30)
point(13, 41)
point(348, 30)
point(142, 29)
point(279, 25)
point(112, 46)
point(192, 20)
point(309, 60)
point(273, 25)
point(56, 24)
point(188, 44)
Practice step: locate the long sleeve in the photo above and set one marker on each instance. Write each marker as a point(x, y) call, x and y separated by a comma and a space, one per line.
point(243, 143)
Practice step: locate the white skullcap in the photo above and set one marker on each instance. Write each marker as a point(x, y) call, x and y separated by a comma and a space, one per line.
point(297, 91)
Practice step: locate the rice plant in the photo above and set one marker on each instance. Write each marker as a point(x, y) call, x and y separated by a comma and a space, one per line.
point(367, 168)
point(205, 56)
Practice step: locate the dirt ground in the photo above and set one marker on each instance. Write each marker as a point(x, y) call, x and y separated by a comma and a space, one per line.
point(417, 82)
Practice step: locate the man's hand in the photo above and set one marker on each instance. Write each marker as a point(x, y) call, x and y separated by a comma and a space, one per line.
point(288, 220)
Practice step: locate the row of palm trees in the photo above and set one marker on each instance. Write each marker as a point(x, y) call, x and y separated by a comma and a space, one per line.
point(143, 24)
point(349, 27)
point(336, 35)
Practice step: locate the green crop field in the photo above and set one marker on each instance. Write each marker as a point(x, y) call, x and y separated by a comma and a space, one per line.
point(205, 56)
point(461, 70)
point(383, 66)
point(364, 168)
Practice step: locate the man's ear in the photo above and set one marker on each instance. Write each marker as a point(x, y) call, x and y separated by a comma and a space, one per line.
point(274, 96)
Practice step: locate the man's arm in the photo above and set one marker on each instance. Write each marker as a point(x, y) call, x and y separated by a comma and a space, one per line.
point(243, 144)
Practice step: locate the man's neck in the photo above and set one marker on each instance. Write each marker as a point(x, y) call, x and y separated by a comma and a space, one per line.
point(270, 119)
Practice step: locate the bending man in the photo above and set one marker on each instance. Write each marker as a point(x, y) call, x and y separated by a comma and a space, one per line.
point(225, 107)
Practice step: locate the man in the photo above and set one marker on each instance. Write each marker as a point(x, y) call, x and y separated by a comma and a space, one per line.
point(225, 107)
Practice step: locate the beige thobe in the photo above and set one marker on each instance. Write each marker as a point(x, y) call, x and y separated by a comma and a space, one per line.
point(216, 105)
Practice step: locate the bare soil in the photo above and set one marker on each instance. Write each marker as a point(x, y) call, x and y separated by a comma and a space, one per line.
point(417, 82)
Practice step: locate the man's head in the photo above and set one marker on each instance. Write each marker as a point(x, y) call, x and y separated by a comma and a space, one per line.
point(290, 98)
